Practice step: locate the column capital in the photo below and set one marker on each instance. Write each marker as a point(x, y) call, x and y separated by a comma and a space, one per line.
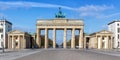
point(18, 36)
point(65, 28)
point(12, 35)
point(46, 28)
point(54, 28)
point(73, 28)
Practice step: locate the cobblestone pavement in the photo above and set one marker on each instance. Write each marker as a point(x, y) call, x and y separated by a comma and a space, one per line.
point(69, 54)
point(60, 54)
point(14, 54)
point(113, 52)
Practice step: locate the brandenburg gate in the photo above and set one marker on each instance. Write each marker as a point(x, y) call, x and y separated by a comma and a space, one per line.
point(60, 23)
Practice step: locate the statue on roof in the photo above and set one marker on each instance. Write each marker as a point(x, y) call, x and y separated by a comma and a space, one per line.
point(60, 15)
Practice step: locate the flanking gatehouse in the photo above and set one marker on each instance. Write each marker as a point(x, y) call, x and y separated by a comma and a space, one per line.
point(19, 40)
point(101, 40)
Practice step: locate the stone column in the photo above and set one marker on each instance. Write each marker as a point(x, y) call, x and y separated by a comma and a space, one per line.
point(54, 37)
point(81, 38)
point(19, 42)
point(13, 42)
point(24, 41)
point(106, 42)
point(111, 42)
point(64, 42)
point(96, 44)
point(73, 38)
point(101, 41)
point(38, 41)
point(8, 41)
point(85, 42)
point(46, 38)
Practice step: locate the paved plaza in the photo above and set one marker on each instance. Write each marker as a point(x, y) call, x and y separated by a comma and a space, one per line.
point(14, 54)
point(60, 54)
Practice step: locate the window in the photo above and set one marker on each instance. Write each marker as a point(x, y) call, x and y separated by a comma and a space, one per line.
point(1, 24)
point(1, 43)
point(118, 30)
point(9, 26)
point(102, 38)
point(1, 30)
point(117, 24)
point(118, 36)
point(8, 30)
point(1, 36)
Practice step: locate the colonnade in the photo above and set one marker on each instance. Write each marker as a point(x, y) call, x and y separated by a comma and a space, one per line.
point(38, 40)
point(14, 41)
point(104, 42)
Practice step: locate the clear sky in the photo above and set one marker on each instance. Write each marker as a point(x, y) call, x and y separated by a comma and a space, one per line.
point(96, 14)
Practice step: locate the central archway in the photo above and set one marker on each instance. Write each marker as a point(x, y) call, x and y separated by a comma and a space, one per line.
point(60, 24)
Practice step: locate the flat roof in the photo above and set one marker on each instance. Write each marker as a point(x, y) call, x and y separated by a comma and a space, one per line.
point(59, 19)
point(5, 21)
point(60, 22)
point(113, 22)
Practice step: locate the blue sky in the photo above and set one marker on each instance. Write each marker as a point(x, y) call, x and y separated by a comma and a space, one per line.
point(96, 14)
